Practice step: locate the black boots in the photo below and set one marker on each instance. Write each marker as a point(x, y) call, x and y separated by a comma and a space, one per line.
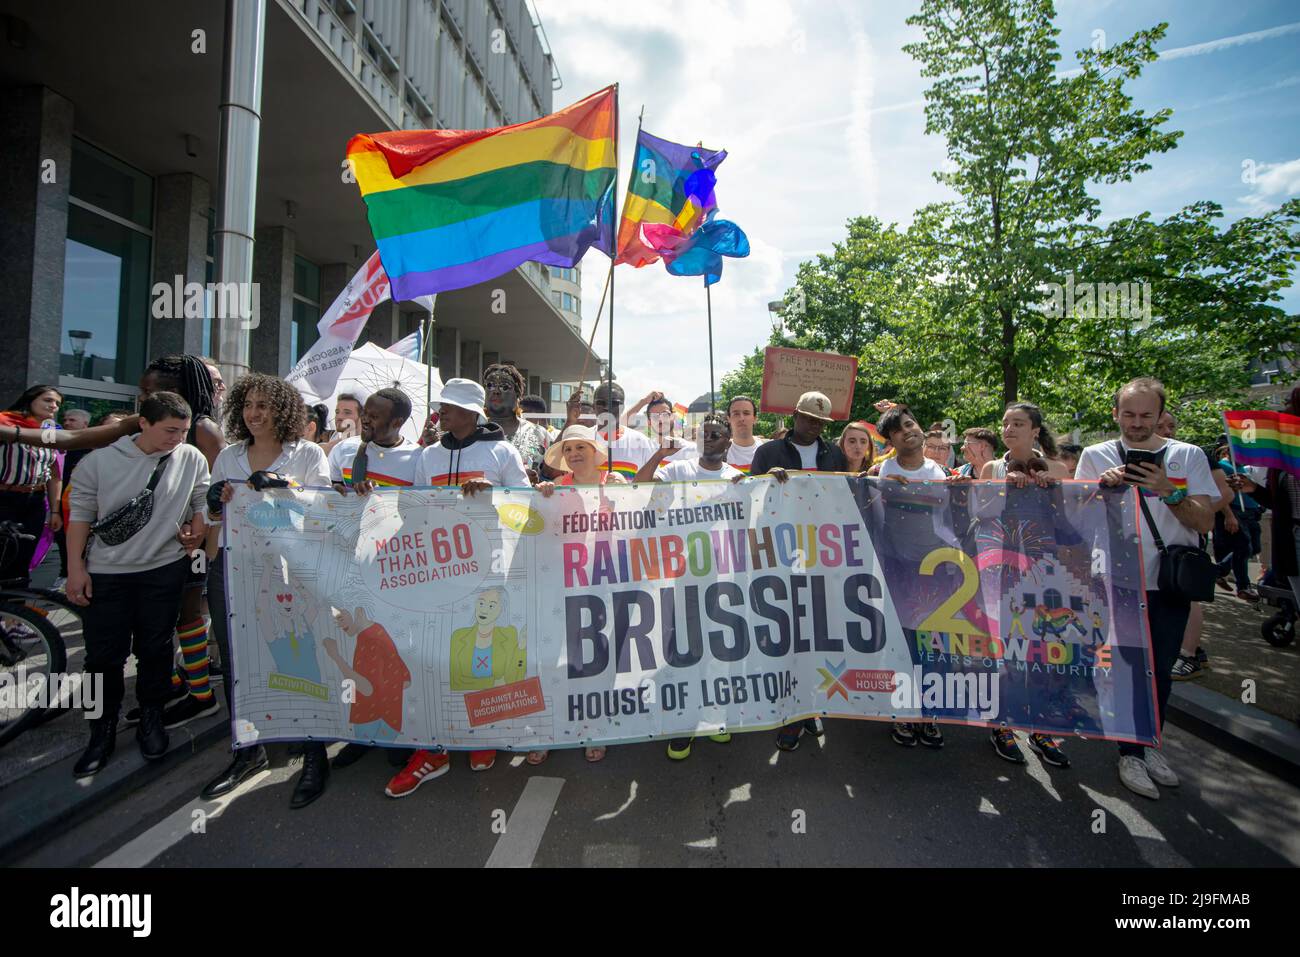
point(247, 762)
point(315, 775)
point(103, 738)
point(150, 733)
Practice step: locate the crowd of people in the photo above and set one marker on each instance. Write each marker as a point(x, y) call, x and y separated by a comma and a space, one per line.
point(136, 502)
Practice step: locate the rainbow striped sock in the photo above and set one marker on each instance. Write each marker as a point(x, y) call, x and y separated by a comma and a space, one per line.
point(194, 653)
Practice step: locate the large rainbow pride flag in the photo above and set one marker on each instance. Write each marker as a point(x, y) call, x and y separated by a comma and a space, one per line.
point(670, 185)
point(451, 208)
point(1265, 439)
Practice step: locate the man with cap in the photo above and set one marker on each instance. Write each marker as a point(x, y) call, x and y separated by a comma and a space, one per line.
point(802, 449)
point(473, 454)
point(628, 449)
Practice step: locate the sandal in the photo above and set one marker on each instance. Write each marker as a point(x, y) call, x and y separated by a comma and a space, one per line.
point(595, 754)
point(537, 757)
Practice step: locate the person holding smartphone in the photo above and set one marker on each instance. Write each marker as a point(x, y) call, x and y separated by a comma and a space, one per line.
point(1174, 479)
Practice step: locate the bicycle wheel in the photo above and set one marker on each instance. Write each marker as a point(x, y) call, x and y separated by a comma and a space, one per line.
point(31, 650)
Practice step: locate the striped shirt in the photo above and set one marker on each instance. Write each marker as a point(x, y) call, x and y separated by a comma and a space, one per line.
point(26, 464)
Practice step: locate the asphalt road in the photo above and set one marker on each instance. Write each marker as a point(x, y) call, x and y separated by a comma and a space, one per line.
point(856, 799)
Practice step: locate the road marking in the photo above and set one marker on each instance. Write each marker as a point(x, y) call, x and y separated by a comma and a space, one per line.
point(140, 851)
point(1150, 843)
point(527, 824)
point(626, 804)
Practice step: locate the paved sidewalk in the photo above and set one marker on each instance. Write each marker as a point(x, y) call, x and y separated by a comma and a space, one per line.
point(1238, 652)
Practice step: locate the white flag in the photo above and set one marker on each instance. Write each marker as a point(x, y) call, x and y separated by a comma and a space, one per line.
point(318, 371)
point(409, 348)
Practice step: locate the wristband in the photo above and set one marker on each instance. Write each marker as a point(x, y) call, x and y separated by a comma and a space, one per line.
point(1174, 497)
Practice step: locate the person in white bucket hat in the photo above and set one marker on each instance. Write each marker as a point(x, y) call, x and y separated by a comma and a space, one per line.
point(473, 454)
point(581, 455)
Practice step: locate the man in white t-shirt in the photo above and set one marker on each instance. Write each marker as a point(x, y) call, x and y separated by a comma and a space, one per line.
point(628, 449)
point(741, 414)
point(663, 432)
point(715, 437)
point(1179, 493)
point(913, 525)
point(379, 457)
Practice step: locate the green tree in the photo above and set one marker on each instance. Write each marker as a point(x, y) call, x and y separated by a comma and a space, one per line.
point(965, 310)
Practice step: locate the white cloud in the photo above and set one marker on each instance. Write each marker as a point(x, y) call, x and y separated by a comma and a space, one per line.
point(1223, 43)
point(1273, 183)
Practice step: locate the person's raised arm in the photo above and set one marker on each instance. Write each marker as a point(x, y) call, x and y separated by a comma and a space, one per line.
point(646, 473)
point(95, 437)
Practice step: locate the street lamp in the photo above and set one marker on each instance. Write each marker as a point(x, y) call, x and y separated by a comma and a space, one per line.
point(79, 338)
point(774, 310)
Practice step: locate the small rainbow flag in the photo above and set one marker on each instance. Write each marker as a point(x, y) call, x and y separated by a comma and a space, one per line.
point(1264, 439)
point(679, 408)
point(451, 208)
point(671, 185)
point(878, 443)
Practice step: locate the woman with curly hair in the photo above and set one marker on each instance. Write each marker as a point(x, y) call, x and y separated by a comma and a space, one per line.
point(264, 418)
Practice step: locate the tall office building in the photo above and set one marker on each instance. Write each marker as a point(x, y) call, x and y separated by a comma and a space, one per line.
point(112, 144)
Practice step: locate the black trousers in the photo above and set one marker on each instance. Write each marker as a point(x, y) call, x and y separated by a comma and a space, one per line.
point(27, 510)
point(134, 612)
point(1168, 617)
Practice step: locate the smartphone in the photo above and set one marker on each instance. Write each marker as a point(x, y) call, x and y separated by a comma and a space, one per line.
point(1134, 457)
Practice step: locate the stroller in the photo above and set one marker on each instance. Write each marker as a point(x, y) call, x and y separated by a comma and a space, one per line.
point(1278, 631)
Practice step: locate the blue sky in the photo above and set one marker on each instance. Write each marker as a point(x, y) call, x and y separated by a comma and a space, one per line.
point(822, 114)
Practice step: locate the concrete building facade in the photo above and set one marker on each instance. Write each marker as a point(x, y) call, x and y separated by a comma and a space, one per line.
point(112, 121)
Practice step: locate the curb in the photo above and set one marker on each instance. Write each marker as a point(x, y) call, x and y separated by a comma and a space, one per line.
point(52, 800)
point(1257, 737)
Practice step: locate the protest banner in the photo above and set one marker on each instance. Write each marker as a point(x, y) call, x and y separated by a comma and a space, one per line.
point(789, 373)
point(514, 621)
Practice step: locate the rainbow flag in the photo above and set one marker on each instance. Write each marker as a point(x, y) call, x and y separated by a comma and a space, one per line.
point(679, 409)
point(1264, 439)
point(451, 208)
point(671, 185)
point(878, 443)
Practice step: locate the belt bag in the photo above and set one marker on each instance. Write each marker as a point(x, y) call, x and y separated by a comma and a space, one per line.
point(1185, 570)
point(126, 520)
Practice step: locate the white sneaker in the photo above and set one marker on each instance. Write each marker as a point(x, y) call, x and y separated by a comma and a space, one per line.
point(1133, 775)
point(1158, 769)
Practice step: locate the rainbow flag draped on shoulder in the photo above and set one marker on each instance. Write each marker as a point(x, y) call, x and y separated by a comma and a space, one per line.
point(1264, 439)
point(451, 208)
point(670, 185)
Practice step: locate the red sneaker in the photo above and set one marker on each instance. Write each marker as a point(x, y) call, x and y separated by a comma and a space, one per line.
point(423, 766)
point(482, 760)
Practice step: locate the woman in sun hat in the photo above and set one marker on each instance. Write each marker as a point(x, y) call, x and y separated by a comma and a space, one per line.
point(581, 455)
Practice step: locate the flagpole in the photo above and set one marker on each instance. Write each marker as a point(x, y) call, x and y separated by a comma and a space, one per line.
point(609, 364)
point(1232, 459)
point(427, 352)
point(708, 298)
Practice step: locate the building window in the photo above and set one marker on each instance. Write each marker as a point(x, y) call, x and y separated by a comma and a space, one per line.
point(108, 249)
point(306, 307)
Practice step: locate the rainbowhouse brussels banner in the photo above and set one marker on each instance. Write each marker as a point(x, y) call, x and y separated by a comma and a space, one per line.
point(511, 620)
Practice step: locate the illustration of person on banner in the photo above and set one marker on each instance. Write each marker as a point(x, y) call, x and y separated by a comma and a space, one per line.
point(378, 674)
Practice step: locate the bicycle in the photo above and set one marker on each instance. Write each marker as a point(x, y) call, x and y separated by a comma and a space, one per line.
point(31, 645)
